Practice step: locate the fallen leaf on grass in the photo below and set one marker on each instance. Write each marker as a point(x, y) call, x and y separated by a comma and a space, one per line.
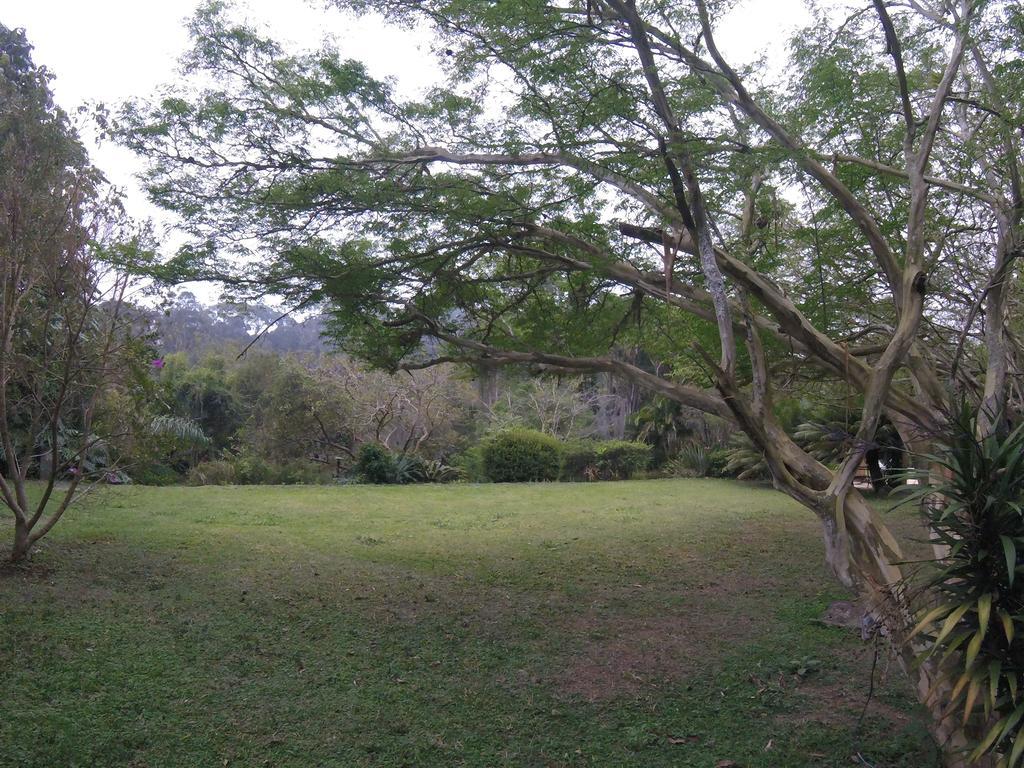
point(692, 739)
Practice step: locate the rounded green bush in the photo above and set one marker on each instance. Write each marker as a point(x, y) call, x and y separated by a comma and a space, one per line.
point(252, 470)
point(375, 464)
point(521, 456)
point(155, 474)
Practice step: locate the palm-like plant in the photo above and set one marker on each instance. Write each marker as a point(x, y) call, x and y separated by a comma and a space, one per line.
point(745, 460)
point(978, 512)
point(183, 430)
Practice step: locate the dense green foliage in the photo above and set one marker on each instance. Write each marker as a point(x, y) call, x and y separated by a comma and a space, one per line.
point(375, 464)
point(268, 418)
point(604, 460)
point(292, 418)
point(521, 456)
point(579, 460)
point(622, 459)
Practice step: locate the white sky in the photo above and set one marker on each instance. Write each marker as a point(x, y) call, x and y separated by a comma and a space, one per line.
point(112, 50)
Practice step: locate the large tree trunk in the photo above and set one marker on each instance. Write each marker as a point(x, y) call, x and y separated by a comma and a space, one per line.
point(862, 554)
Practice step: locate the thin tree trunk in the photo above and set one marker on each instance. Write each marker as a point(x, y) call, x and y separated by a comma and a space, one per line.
point(487, 383)
point(22, 541)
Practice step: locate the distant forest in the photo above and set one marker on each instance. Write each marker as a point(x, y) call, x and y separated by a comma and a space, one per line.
point(185, 324)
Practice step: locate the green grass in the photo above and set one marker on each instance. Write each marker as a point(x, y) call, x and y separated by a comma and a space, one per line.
point(655, 623)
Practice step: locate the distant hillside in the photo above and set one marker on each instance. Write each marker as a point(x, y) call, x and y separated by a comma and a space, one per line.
point(185, 324)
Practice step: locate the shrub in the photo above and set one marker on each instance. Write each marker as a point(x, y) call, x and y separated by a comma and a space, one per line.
point(439, 472)
point(251, 469)
point(408, 469)
point(621, 459)
point(718, 459)
point(155, 474)
point(375, 464)
point(521, 456)
point(693, 461)
point(298, 472)
point(746, 461)
point(579, 461)
point(470, 465)
point(217, 472)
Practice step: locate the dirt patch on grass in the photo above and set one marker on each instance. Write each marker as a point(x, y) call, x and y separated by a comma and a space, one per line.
point(699, 608)
point(842, 702)
point(652, 640)
point(28, 571)
point(624, 657)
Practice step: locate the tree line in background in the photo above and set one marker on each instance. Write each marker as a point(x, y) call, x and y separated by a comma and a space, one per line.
point(237, 394)
point(227, 409)
point(297, 412)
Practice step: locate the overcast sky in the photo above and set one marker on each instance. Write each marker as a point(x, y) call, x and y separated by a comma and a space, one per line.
point(112, 50)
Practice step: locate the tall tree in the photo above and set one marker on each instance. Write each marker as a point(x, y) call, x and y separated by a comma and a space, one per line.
point(64, 334)
point(597, 173)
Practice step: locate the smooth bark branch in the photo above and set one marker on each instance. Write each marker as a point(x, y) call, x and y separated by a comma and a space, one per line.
point(1009, 247)
point(890, 170)
point(894, 49)
point(696, 211)
point(795, 324)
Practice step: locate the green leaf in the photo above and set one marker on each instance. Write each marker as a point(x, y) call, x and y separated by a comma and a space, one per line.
point(972, 697)
point(997, 732)
point(1018, 749)
point(1010, 551)
point(1008, 629)
point(1011, 721)
point(984, 612)
point(951, 622)
point(990, 738)
point(995, 670)
point(973, 648)
point(930, 617)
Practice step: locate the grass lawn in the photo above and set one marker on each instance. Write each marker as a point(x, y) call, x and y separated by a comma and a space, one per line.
point(652, 623)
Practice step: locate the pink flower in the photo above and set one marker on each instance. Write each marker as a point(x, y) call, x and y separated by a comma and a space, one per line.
point(158, 363)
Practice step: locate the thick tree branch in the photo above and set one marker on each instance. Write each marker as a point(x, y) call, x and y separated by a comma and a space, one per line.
point(687, 395)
